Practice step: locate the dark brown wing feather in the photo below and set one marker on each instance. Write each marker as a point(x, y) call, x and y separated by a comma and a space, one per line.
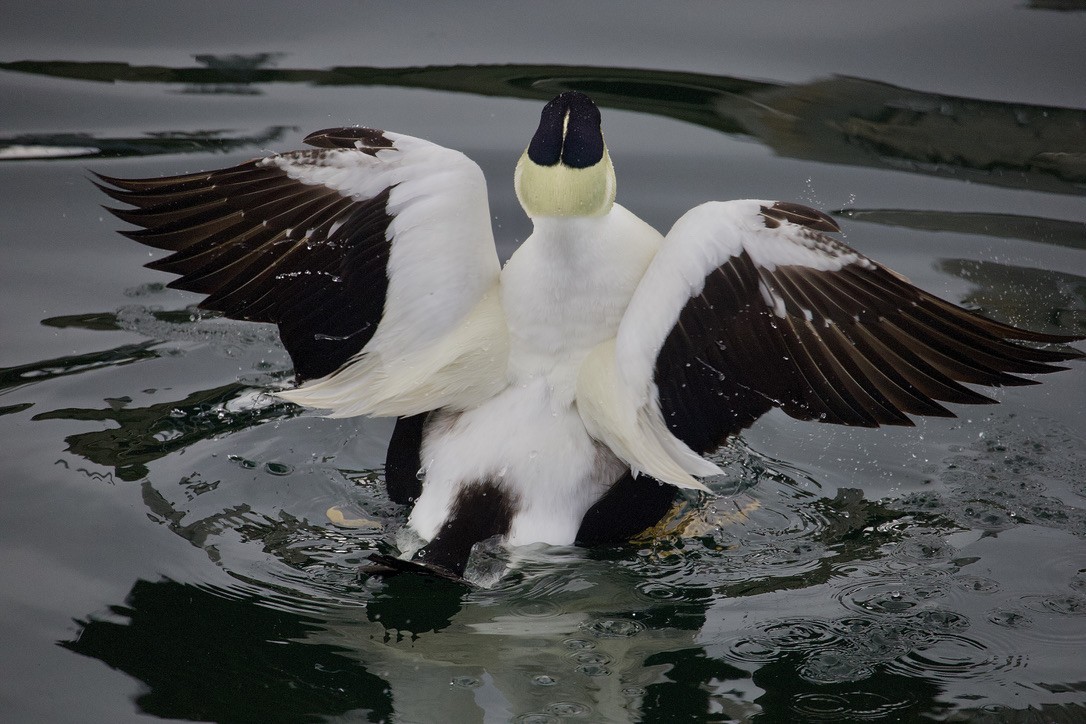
point(267, 248)
point(858, 346)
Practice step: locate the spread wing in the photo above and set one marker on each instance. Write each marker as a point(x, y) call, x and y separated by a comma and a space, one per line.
point(373, 242)
point(751, 305)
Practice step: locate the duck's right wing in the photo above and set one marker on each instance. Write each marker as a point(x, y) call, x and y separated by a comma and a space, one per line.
point(372, 253)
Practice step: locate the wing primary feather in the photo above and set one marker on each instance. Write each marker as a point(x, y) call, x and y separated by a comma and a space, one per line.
point(153, 185)
point(249, 184)
point(182, 238)
point(926, 378)
point(216, 260)
point(996, 353)
point(866, 295)
point(900, 398)
point(294, 262)
point(823, 381)
point(881, 368)
point(162, 215)
point(805, 294)
point(862, 386)
point(807, 284)
point(964, 324)
point(267, 209)
point(942, 357)
point(899, 287)
point(210, 265)
point(814, 318)
point(243, 172)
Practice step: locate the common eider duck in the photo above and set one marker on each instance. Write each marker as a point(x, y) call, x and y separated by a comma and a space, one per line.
point(564, 397)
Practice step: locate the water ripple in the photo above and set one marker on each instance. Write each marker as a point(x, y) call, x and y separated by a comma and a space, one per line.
point(568, 709)
point(889, 597)
point(1067, 604)
point(613, 628)
point(853, 705)
point(953, 656)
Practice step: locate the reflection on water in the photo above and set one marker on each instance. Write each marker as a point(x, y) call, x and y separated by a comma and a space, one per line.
point(12, 377)
point(148, 433)
point(895, 623)
point(175, 638)
point(1069, 234)
point(1035, 298)
point(38, 146)
point(838, 120)
point(236, 74)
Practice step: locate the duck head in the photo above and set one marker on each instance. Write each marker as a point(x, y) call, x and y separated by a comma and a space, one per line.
point(566, 170)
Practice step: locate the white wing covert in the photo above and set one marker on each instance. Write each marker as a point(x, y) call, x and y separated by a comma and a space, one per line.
point(750, 305)
point(373, 250)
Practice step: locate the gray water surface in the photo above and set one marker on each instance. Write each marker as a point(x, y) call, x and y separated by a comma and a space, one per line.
point(165, 544)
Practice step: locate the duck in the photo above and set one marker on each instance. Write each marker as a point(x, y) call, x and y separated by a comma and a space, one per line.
point(570, 395)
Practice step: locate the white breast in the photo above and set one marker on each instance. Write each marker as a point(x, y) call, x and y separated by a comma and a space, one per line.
point(563, 292)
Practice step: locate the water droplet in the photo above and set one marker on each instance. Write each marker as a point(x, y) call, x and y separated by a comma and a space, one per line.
point(593, 670)
point(536, 608)
point(1070, 604)
point(615, 628)
point(465, 682)
point(591, 657)
point(977, 584)
point(247, 464)
point(1010, 618)
point(567, 709)
point(579, 644)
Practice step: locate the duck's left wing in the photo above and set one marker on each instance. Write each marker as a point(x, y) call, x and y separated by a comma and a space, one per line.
point(372, 242)
point(751, 305)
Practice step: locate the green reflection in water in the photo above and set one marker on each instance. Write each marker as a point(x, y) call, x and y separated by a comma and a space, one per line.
point(842, 120)
point(148, 433)
point(210, 656)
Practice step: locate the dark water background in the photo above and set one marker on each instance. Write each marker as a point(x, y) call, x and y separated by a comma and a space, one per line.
point(164, 545)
